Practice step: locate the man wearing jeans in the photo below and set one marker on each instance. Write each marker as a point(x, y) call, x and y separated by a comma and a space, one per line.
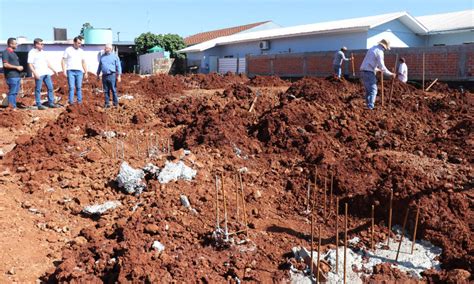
point(74, 67)
point(109, 66)
point(12, 69)
point(373, 62)
point(42, 71)
point(339, 58)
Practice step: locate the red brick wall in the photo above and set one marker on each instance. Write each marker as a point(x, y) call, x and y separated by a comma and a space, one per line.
point(444, 62)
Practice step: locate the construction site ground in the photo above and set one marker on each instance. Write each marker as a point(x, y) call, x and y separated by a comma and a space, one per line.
point(57, 161)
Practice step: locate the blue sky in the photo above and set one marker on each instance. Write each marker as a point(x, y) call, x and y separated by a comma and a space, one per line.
point(186, 17)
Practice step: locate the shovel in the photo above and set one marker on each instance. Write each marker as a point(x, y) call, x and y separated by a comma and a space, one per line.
point(252, 106)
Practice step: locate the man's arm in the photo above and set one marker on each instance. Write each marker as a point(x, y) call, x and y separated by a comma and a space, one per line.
point(381, 64)
point(7, 65)
point(63, 63)
point(84, 66)
point(118, 68)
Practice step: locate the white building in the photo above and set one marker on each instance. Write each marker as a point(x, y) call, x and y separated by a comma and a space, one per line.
point(402, 29)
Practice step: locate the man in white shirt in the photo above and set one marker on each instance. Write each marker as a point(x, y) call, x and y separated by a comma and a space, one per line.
point(339, 57)
point(402, 71)
point(74, 67)
point(42, 71)
point(374, 62)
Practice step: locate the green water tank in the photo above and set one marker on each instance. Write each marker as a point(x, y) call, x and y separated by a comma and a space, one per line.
point(98, 36)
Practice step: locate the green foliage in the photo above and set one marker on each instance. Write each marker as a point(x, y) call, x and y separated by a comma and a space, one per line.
point(170, 42)
point(85, 26)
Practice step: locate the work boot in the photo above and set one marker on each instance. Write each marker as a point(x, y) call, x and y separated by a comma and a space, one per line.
point(41, 108)
point(53, 106)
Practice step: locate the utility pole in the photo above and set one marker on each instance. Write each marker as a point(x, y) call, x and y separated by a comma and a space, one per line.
point(118, 36)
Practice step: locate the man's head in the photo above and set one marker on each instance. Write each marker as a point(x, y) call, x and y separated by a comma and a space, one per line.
point(385, 43)
point(11, 42)
point(38, 43)
point(402, 60)
point(343, 48)
point(108, 48)
point(77, 42)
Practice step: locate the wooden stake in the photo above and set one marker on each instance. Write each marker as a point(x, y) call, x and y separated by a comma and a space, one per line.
point(423, 80)
point(308, 196)
point(236, 182)
point(416, 227)
point(324, 198)
point(217, 205)
point(372, 245)
point(147, 145)
point(243, 205)
point(330, 193)
point(393, 82)
point(353, 67)
point(337, 234)
point(226, 230)
point(311, 245)
point(169, 149)
point(345, 242)
point(403, 232)
point(390, 217)
point(319, 254)
point(431, 85)
point(382, 88)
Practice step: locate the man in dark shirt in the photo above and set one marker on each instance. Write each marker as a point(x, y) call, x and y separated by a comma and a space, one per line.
point(12, 69)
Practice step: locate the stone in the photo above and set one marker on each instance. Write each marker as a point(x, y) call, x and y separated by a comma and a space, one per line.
point(80, 240)
point(152, 229)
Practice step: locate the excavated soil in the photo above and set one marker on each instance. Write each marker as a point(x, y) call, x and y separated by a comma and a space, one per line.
point(419, 146)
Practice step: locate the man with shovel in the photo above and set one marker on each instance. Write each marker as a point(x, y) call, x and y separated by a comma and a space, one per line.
point(374, 62)
point(12, 69)
point(339, 58)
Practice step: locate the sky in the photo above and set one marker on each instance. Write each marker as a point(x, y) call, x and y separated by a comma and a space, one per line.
point(37, 18)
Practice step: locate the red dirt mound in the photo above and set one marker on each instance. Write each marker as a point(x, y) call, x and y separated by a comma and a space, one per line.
point(267, 81)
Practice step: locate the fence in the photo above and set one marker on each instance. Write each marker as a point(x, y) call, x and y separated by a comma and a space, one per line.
point(447, 63)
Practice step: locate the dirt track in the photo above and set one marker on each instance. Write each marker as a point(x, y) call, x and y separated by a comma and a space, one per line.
point(421, 147)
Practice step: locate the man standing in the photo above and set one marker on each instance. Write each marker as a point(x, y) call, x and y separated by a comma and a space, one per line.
point(74, 67)
point(402, 71)
point(339, 58)
point(109, 66)
point(42, 71)
point(12, 69)
point(373, 62)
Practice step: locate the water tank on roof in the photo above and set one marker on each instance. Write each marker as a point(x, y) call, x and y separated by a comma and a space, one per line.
point(98, 36)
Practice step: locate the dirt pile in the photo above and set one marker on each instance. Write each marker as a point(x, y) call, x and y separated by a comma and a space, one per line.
point(212, 80)
point(419, 147)
point(267, 81)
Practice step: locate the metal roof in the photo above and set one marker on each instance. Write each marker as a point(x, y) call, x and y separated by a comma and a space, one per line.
point(355, 24)
point(448, 21)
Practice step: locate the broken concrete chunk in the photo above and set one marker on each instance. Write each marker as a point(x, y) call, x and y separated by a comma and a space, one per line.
point(185, 201)
point(130, 179)
point(109, 134)
point(151, 170)
point(174, 171)
point(99, 209)
point(158, 246)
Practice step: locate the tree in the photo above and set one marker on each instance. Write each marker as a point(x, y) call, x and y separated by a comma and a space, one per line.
point(170, 42)
point(173, 43)
point(84, 27)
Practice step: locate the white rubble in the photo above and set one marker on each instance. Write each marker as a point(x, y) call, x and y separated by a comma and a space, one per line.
point(158, 246)
point(363, 261)
point(100, 208)
point(174, 171)
point(130, 179)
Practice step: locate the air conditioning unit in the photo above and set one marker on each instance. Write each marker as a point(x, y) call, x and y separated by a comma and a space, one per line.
point(264, 44)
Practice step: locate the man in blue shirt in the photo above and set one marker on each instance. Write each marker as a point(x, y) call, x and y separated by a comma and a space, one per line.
point(109, 66)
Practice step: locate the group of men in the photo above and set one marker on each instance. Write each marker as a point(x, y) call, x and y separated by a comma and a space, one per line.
point(73, 65)
point(373, 62)
point(75, 68)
